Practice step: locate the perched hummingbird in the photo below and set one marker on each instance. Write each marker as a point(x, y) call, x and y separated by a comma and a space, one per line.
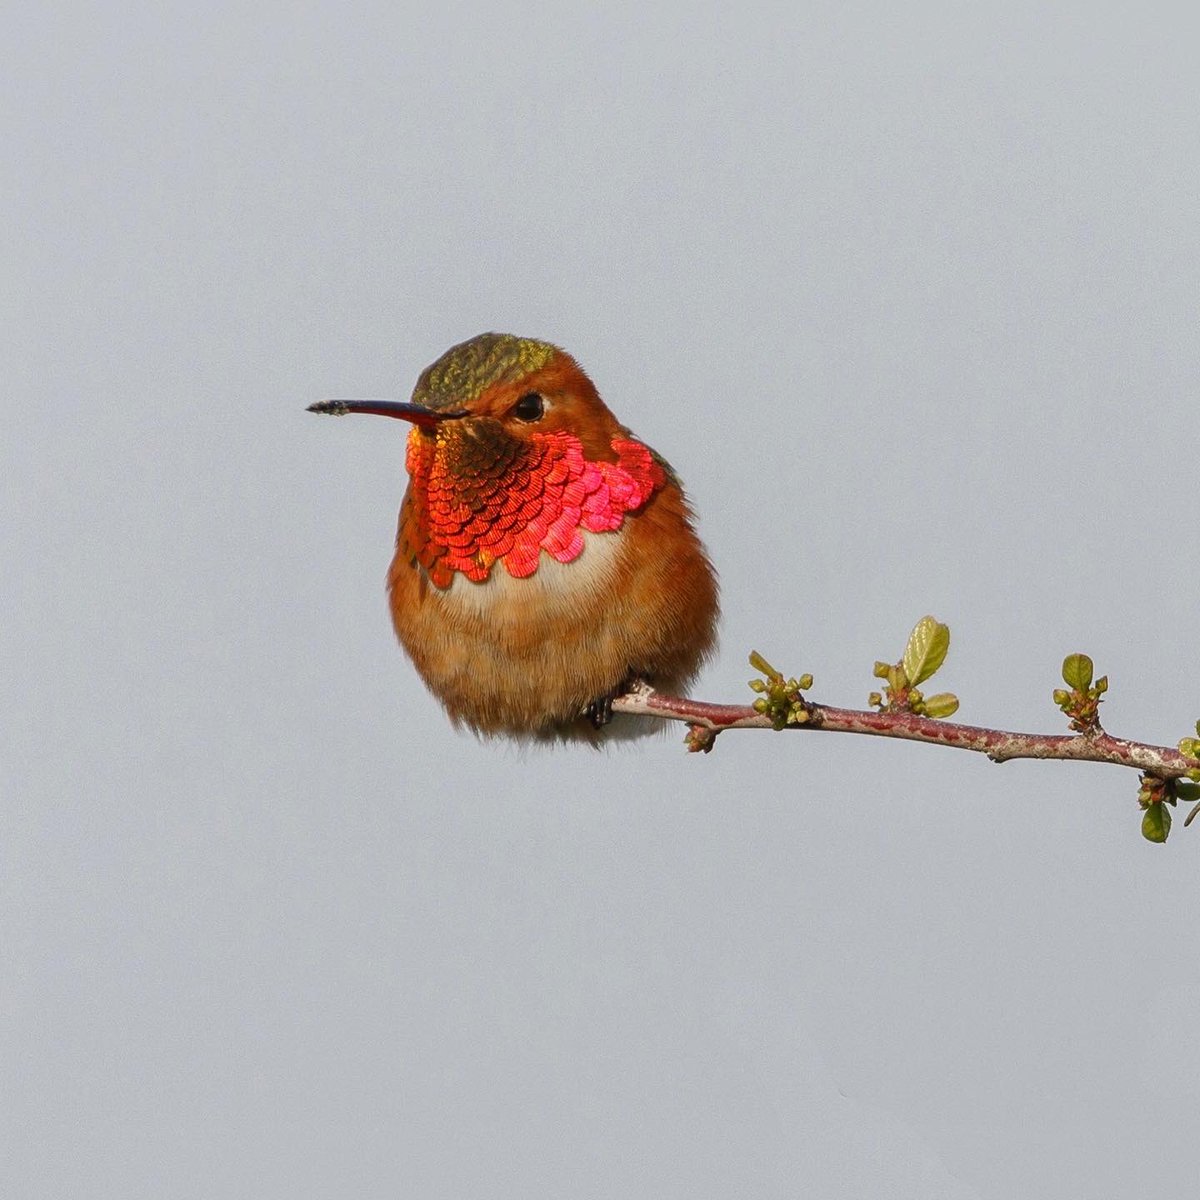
point(545, 558)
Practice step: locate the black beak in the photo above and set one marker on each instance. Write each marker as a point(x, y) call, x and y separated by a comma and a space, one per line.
point(418, 414)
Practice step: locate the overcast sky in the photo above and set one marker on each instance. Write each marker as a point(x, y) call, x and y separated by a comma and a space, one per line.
point(908, 297)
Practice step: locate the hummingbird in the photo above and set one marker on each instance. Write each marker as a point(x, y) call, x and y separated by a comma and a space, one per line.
point(546, 559)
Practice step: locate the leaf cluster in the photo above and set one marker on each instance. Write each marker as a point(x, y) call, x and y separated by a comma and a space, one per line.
point(1081, 703)
point(779, 698)
point(927, 647)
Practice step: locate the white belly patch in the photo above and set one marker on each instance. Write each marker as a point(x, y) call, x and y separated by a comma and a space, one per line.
point(554, 583)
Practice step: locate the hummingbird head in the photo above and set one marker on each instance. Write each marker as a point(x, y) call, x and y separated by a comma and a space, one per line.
point(516, 389)
point(512, 452)
point(494, 387)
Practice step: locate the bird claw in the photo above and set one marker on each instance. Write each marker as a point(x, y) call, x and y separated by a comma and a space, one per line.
point(599, 712)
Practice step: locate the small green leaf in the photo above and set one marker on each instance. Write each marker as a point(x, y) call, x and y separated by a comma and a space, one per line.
point(1077, 672)
point(1156, 823)
point(944, 704)
point(927, 647)
point(1187, 791)
point(761, 665)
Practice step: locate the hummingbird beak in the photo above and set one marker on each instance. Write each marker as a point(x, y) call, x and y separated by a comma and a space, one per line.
point(417, 414)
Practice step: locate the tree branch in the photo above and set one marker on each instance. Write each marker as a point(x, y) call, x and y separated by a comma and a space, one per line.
point(1167, 775)
point(707, 720)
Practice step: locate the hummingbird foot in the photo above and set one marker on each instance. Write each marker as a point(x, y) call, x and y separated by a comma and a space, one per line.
point(600, 712)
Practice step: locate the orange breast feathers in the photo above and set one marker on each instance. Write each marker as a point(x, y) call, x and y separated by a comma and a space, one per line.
point(482, 500)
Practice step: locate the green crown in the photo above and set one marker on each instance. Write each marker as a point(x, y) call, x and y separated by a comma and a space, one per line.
point(467, 370)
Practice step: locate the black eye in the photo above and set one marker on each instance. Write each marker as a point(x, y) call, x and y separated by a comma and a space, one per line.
point(530, 407)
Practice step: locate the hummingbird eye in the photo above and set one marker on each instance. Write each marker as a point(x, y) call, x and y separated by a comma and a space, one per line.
point(530, 407)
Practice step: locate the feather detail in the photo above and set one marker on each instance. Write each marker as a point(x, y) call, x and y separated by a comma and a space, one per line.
point(476, 500)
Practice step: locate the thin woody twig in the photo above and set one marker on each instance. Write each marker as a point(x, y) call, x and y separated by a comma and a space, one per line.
point(998, 744)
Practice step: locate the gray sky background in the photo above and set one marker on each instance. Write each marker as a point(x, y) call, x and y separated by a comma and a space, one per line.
point(908, 298)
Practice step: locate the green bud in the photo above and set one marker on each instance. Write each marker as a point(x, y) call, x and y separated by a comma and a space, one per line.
point(1077, 671)
point(806, 682)
point(1156, 823)
point(761, 665)
point(1061, 698)
point(944, 704)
